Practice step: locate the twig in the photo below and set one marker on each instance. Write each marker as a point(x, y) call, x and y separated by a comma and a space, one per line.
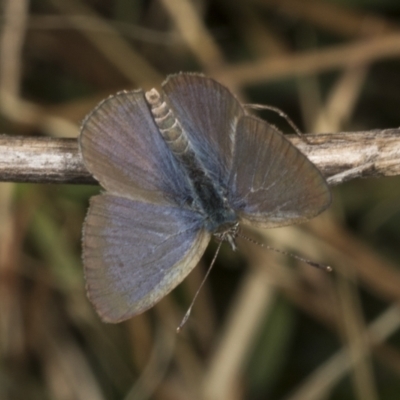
point(319, 384)
point(41, 160)
point(310, 62)
point(116, 49)
point(330, 16)
point(196, 36)
point(11, 42)
point(340, 157)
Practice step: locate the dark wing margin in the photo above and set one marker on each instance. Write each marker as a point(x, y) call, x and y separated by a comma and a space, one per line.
point(135, 253)
point(208, 113)
point(123, 149)
point(272, 183)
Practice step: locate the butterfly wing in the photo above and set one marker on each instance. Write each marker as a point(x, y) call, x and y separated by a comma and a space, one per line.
point(209, 113)
point(135, 253)
point(123, 149)
point(272, 183)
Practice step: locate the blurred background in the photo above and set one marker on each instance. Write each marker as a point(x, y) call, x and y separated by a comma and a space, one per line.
point(264, 326)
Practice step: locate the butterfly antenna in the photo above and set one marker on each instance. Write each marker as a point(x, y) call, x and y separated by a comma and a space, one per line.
point(324, 267)
point(249, 239)
point(281, 114)
point(189, 310)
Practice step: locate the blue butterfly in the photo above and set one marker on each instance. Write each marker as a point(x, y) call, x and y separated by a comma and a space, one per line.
point(179, 167)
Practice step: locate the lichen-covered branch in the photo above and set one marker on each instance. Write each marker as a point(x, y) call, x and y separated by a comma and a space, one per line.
point(41, 160)
point(340, 157)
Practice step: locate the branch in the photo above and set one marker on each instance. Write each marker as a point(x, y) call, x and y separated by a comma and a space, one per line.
point(361, 52)
point(41, 160)
point(339, 156)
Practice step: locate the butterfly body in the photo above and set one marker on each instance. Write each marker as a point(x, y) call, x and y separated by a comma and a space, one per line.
point(178, 167)
point(207, 198)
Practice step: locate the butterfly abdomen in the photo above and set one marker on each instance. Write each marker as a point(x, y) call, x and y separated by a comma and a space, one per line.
point(170, 128)
point(208, 198)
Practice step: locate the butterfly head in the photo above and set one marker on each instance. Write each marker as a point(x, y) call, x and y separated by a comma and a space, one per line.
point(228, 233)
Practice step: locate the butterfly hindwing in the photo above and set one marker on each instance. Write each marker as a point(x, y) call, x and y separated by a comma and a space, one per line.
point(208, 113)
point(123, 149)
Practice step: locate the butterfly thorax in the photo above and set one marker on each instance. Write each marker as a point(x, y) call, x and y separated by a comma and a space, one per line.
point(207, 197)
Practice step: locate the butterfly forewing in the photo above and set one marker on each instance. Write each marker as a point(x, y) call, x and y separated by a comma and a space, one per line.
point(135, 253)
point(209, 113)
point(272, 183)
point(123, 149)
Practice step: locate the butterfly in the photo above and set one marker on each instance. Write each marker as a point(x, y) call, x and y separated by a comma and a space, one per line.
point(179, 166)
